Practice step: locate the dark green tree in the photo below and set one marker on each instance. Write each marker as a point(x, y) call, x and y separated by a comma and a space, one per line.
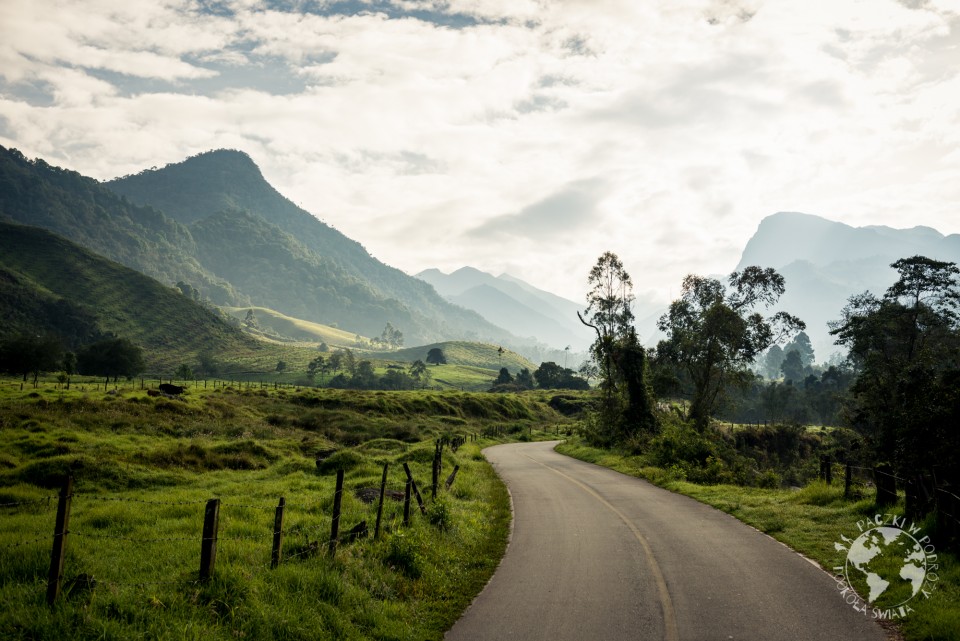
point(905, 348)
point(524, 379)
point(112, 357)
point(419, 372)
point(436, 356)
point(792, 367)
point(714, 334)
point(504, 377)
point(27, 354)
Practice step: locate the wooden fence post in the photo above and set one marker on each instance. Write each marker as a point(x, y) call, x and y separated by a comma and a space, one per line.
point(406, 504)
point(436, 474)
point(847, 479)
point(55, 576)
point(416, 492)
point(277, 534)
point(335, 526)
point(886, 484)
point(383, 493)
point(208, 547)
point(452, 477)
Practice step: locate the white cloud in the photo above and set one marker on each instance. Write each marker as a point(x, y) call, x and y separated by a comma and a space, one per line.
point(663, 130)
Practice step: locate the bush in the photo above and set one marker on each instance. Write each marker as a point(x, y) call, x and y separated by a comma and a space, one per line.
point(403, 554)
point(341, 459)
point(769, 480)
point(439, 516)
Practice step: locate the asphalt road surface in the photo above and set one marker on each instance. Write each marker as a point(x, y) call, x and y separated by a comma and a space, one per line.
point(596, 554)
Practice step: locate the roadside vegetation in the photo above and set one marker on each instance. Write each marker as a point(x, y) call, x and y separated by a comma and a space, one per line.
point(687, 414)
point(144, 466)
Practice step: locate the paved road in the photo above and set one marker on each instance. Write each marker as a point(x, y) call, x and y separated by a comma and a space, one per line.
point(599, 555)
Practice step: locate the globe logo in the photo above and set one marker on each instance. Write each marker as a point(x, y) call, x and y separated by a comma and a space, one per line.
point(890, 562)
point(885, 566)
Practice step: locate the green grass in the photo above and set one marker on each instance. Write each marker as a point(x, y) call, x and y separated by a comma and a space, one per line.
point(145, 466)
point(810, 520)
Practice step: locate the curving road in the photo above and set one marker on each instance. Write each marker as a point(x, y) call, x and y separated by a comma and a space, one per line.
point(596, 554)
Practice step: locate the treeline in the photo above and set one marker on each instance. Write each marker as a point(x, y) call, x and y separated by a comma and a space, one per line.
point(898, 391)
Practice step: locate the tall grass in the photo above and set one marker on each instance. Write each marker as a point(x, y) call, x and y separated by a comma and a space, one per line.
point(145, 466)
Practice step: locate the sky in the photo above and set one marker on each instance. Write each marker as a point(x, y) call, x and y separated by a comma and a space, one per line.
point(519, 136)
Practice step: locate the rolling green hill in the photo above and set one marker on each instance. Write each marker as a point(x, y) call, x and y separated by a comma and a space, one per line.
point(295, 328)
point(49, 284)
point(477, 355)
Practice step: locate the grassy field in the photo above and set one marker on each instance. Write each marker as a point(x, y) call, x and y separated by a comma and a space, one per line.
point(145, 467)
point(810, 520)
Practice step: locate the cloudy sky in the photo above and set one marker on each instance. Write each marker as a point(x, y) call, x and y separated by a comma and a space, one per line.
point(526, 136)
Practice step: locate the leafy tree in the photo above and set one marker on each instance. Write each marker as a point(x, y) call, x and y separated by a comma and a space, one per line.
point(436, 356)
point(713, 334)
point(792, 366)
point(250, 320)
point(626, 402)
point(391, 337)
point(25, 354)
point(336, 361)
point(208, 363)
point(419, 372)
point(112, 357)
point(551, 376)
point(184, 373)
point(524, 379)
point(504, 378)
point(324, 347)
point(281, 366)
point(315, 365)
point(905, 349)
point(801, 344)
point(772, 362)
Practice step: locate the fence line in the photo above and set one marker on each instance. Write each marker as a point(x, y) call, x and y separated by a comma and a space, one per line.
point(215, 527)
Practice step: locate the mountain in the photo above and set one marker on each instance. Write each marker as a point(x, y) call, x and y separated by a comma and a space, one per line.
point(514, 305)
point(215, 224)
point(282, 257)
point(825, 262)
point(82, 210)
point(49, 284)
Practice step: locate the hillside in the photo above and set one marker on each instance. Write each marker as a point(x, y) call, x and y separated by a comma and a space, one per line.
point(81, 210)
point(481, 355)
point(48, 283)
point(825, 262)
point(272, 321)
point(282, 257)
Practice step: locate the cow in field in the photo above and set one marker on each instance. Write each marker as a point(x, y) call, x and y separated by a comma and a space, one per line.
point(172, 390)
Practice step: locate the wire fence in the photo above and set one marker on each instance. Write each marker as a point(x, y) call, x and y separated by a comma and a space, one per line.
point(123, 548)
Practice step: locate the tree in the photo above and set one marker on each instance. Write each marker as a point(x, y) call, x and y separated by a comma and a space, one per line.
point(551, 376)
point(713, 334)
point(504, 377)
point(801, 345)
point(112, 357)
point(792, 366)
point(436, 356)
point(626, 401)
point(27, 354)
point(905, 348)
point(772, 362)
point(184, 373)
point(281, 366)
point(317, 364)
point(419, 372)
point(391, 337)
point(524, 379)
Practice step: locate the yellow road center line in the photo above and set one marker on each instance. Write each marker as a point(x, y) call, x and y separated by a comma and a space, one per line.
point(666, 603)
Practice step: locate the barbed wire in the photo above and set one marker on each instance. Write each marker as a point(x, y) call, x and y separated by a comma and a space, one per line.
point(46, 499)
point(113, 537)
point(121, 499)
point(23, 543)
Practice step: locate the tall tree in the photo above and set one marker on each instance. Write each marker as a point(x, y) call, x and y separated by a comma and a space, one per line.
point(905, 348)
point(626, 405)
point(714, 333)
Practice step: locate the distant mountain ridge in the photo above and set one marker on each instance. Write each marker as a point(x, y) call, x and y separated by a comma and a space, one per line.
point(513, 304)
point(213, 222)
point(825, 262)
